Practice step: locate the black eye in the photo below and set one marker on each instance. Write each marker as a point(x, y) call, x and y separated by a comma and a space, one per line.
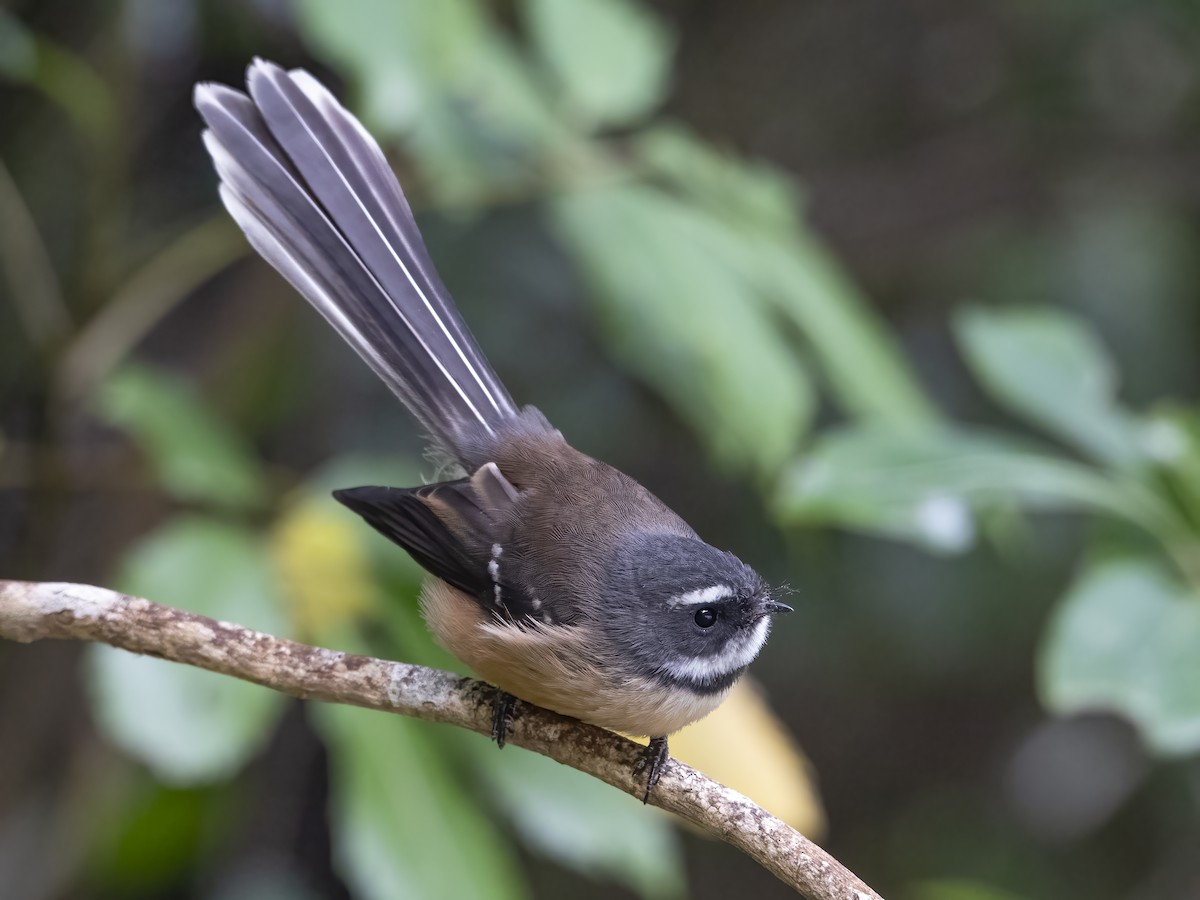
point(706, 617)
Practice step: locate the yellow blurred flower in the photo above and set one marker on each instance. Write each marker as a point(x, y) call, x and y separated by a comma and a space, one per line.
point(323, 569)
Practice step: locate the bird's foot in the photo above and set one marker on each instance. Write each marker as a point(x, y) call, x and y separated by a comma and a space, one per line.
point(652, 759)
point(502, 715)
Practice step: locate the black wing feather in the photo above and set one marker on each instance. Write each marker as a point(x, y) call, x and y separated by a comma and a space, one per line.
point(401, 515)
point(445, 530)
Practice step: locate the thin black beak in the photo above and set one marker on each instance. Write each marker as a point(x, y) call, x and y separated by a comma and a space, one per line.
point(774, 606)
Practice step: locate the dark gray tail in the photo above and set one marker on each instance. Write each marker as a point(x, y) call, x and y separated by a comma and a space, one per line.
point(315, 196)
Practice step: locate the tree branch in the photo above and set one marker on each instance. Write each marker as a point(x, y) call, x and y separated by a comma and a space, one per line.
point(31, 611)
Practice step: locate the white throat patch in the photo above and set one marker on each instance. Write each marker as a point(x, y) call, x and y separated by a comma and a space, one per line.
point(738, 653)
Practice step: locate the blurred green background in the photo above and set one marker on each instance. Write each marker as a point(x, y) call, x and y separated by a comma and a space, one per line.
point(898, 300)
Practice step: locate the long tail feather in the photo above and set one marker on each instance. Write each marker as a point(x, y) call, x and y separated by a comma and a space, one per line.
point(314, 194)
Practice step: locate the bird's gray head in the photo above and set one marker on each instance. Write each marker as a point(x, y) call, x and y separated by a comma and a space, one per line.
point(690, 615)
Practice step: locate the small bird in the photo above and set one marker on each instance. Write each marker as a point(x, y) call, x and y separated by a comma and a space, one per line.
point(556, 578)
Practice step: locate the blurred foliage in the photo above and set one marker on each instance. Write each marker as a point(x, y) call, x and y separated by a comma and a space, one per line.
point(194, 456)
point(322, 567)
point(1125, 639)
point(709, 286)
point(657, 265)
point(400, 819)
point(743, 744)
point(188, 725)
point(615, 838)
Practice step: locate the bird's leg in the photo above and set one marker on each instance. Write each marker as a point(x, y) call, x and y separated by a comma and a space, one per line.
point(502, 713)
point(653, 758)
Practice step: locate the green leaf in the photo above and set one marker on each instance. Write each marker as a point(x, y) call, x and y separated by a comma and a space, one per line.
point(448, 80)
point(926, 487)
point(195, 455)
point(777, 253)
point(187, 725)
point(680, 313)
point(1047, 366)
point(1170, 438)
point(399, 51)
point(1127, 639)
point(582, 823)
point(755, 194)
point(403, 826)
point(870, 377)
point(63, 77)
point(612, 58)
point(145, 847)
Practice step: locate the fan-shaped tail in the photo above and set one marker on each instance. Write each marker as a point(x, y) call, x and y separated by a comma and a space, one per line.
point(315, 196)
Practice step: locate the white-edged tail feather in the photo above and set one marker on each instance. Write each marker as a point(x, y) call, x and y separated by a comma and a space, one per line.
point(315, 197)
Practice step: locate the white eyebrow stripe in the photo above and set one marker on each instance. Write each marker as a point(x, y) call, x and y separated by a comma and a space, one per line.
point(738, 654)
point(701, 596)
